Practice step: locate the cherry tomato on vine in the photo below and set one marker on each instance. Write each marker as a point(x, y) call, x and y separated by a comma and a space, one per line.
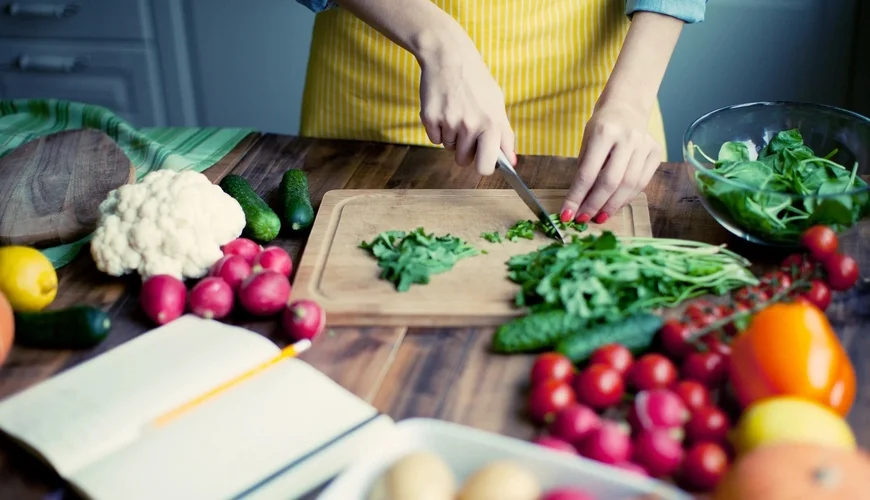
point(818, 295)
point(616, 356)
point(599, 386)
point(717, 345)
point(842, 272)
point(673, 337)
point(775, 282)
point(551, 366)
point(702, 313)
point(798, 265)
point(821, 242)
point(751, 295)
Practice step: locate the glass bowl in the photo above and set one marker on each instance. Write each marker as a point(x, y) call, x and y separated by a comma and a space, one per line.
point(784, 166)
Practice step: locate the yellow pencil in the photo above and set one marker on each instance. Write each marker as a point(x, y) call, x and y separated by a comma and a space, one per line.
point(288, 352)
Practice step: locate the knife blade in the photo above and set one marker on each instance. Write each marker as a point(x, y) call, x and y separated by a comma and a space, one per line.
point(504, 166)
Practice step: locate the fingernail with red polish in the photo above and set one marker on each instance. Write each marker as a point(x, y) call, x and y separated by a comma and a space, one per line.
point(601, 218)
point(566, 215)
point(582, 218)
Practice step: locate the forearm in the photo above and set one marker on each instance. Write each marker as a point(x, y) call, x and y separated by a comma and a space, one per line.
point(642, 62)
point(418, 26)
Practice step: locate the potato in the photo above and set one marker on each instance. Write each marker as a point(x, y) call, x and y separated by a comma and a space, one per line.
point(501, 480)
point(418, 476)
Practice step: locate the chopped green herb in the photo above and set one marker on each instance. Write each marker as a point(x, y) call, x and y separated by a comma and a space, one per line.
point(600, 279)
point(526, 228)
point(492, 237)
point(411, 258)
point(783, 168)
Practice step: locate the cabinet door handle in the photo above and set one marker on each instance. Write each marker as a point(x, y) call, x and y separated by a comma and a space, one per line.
point(41, 10)
point(51, 64)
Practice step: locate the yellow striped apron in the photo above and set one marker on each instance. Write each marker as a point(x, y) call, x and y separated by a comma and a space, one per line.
point(551, 59)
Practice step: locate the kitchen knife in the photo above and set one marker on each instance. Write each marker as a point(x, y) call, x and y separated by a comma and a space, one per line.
point(504, 166)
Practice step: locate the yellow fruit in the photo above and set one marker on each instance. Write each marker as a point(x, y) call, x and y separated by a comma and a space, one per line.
point(790, 419)
point(27, 278)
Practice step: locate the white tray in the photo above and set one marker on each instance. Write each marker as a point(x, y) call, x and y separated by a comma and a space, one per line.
point(466, 449)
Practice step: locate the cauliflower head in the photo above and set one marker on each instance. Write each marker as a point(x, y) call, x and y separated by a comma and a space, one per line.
point(168, 223)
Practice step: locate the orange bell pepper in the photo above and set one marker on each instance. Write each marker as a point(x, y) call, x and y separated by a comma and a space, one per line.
point(790, 349)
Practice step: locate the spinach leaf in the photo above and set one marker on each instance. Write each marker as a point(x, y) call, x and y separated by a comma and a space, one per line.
point(412, 258)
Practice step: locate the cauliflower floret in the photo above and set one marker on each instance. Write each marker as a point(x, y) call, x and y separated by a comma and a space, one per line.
point(168, 223)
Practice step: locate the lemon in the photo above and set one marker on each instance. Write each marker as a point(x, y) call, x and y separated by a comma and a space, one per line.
point(27, 278)
point(790, 419)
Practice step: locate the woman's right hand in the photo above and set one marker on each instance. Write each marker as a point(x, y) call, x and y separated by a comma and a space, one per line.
point(463, 108)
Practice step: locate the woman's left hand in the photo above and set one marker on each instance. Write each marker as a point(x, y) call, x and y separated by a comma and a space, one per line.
point(618, 157)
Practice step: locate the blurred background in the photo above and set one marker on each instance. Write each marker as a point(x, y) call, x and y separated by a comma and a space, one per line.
point(242, 63)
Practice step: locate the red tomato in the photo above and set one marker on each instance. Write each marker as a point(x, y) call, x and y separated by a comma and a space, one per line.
point(842, 272)
point(702, 313)
point(798, 265)
point(652, 371)
point(551, 366)
point(751, 295)
point(693, 393)
point(548, 398)
point(717, 345)
point(821, 241)
point(708, 424)
point(703, 466)
point(673, 337)
point(615, 355)
point(707, 368)
point(775, 282)
point(818, 295)
point(599, 386)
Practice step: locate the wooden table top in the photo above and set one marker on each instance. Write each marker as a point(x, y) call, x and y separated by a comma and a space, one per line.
point(443, 373)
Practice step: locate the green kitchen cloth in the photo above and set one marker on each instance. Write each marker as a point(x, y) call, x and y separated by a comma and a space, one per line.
point(149, 149)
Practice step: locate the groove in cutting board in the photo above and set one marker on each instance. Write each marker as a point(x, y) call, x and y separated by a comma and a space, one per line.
point(343, 278)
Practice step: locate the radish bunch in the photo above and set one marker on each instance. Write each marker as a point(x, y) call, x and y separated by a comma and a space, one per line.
point(255, 278)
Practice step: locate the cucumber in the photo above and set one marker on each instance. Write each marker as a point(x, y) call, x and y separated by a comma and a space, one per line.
point(261, 222)
point(296, 210)
point(536, 331)
point(77, 327)
point(636, 332)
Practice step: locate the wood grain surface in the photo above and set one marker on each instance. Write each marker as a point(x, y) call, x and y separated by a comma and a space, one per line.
point(343, 278)
point(439, 372)
point(51, 188)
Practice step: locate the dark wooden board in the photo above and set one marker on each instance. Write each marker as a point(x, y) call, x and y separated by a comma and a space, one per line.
point(51, 187)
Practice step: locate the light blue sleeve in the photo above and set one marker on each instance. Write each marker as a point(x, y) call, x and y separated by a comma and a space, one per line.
point(689, 11)
point(317, 5)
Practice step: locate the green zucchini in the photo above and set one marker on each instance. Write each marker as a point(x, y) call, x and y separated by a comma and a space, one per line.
point(636, 332)
point(536, 331)
point(296, 211)
point(77, 327)
point(261, 222)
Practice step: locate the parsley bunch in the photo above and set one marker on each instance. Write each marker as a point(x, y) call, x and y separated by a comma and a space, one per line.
point(411, 258)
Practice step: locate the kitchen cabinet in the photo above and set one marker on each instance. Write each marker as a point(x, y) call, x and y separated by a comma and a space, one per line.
point(238, 63)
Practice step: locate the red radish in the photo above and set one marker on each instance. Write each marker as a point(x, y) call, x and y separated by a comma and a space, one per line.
point(556, 444)
point(693, 393)
point(707, 368)
point(551, 366)
point(264, 293)
point(658, 409)
point(652, 371)
point(304, 319)
point(703, 467)
point(599, 386)
point(549, 398)
point(658, 452)
point(243, 247)
point(274, 258)
point(708, 424)
point(616, 355)
point(574, 423)
point(567, 493)
point(609, 443)
point(211, 298)
point(163, 298)
point(632, 467)
point(233, 269)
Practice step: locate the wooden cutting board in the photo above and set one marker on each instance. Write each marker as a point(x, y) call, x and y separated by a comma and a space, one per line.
point(51, 187)
point(343, 278)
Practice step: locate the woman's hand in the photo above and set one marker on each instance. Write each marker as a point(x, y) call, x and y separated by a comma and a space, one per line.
point(462, 107)
point(618, 158)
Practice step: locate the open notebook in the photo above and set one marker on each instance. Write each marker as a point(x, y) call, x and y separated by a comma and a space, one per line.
point(278, 434)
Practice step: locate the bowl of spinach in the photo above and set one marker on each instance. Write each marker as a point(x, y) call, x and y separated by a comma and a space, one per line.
point(766, 171)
